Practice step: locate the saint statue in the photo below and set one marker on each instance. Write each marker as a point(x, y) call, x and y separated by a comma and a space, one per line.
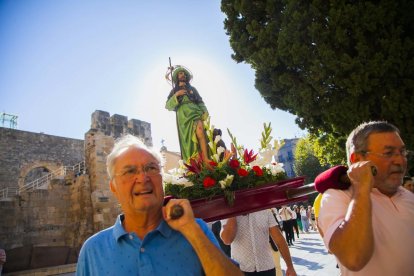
point(185, 100)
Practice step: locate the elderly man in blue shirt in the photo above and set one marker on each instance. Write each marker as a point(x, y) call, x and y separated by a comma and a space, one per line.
point(145, 240)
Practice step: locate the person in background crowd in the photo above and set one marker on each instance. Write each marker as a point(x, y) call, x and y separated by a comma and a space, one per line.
point(369, 226)
point(275, 250)
point(248, 236)
point(297, 224)
point(288, 216)
point(309, 215)
point(216, 229)
point(316, 208)
point(408, 183)
point(312, 219)
point(304, 219)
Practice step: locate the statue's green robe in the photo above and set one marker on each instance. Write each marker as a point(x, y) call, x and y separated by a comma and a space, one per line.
point(188, 113)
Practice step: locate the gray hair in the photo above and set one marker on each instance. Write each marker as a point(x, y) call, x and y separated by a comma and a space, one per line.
point(123, 144)
point(358, 139)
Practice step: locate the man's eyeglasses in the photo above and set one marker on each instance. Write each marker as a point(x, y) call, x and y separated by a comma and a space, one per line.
point(129, 173)
point(390, 154)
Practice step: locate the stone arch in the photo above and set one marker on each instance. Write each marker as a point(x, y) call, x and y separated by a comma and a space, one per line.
point(26, 169)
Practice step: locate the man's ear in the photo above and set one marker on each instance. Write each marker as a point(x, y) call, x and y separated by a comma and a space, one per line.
point(355, 157)
point(112, 186)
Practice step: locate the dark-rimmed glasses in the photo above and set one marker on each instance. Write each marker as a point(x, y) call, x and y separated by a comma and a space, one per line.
point(129, 173)
point(390, 154)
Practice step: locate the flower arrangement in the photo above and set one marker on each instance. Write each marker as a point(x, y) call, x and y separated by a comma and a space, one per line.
point(227, 171)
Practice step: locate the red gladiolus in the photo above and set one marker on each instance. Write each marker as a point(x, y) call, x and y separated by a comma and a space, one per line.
point(257, 170)
point(209, 182)
point(195, 165)
point(213, 164)
point(234, 163)
point(242, 172)
point(249, 156)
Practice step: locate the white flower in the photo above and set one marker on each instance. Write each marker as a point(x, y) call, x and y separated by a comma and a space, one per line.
point(259, 161)
point(275, 168)
point(227, 181)
point(176, 179)
point(184, 181)
point(220, 150)
point(264, 157)
point(172, 171)
point(217, 139)
point(167, 178)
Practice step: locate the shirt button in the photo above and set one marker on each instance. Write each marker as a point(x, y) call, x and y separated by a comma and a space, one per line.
point(142, 250)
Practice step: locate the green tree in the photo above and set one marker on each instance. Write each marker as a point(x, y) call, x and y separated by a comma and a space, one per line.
point(328, 149)
point(306, 162)
point(333, 64)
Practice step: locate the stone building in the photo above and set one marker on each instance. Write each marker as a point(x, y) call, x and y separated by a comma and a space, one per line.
point(170, 159)
point(54, 191)
point(286, 155)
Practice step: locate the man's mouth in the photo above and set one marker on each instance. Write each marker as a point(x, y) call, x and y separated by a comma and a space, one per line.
point(147, 192)
point(397, 172)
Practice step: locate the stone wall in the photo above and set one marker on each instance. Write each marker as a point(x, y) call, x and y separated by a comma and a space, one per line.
point(99, 141)
point(23, 151)
point(48, 221)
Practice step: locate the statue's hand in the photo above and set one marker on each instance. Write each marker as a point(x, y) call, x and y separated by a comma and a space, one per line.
point(180, 92)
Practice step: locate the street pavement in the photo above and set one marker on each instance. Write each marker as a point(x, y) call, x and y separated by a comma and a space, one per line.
point(310, 257)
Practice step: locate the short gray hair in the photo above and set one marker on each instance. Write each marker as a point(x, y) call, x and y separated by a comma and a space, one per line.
point(358, 139)
point(124, 143)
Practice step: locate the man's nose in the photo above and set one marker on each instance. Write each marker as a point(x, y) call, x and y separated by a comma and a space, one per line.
point(140, 176)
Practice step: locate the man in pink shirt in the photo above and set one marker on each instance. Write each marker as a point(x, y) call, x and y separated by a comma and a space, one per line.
point(369, 226)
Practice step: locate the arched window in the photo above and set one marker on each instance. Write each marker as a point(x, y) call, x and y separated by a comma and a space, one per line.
point(35, 174)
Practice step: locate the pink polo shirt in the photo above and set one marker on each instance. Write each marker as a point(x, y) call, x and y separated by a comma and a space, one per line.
point(393, 226)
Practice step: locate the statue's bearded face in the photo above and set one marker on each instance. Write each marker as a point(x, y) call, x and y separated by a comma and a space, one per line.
point(182, 76)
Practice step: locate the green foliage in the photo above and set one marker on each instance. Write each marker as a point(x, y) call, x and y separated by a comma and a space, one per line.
point(266, 137)
point(333, 64)
point(306, 162)
point(328, 149)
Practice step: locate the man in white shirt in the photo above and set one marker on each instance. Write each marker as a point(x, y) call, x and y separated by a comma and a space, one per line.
point(248, 236)
point(287, 216)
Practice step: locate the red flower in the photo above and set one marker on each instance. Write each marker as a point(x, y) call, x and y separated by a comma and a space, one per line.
point(257, 170)
point(213, 164)
point(195, 165)
point(209, 182)
point(234, 163)
point(242, 172)
point(248, 156)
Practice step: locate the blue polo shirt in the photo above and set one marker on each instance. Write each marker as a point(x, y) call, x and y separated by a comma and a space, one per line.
point(163, 251)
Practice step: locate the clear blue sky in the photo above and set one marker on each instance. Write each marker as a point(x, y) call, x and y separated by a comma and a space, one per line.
point(60, 60)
